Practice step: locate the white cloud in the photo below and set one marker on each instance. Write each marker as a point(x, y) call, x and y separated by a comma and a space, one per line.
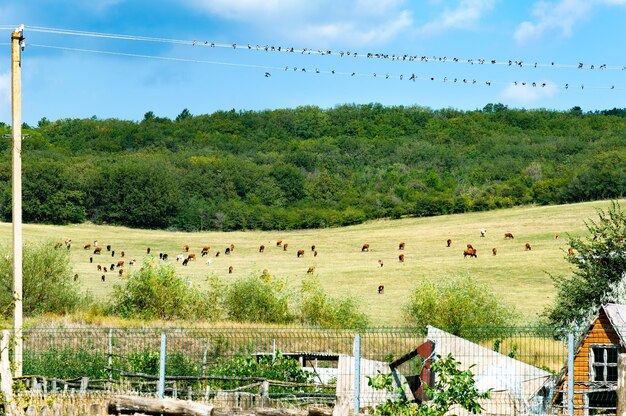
point(353, 22)
point(5, 97)
point(465, 15)
point(527, 94)
point(560, 16)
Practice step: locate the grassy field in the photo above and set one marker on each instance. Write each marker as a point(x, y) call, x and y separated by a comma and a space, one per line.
point(519, 277)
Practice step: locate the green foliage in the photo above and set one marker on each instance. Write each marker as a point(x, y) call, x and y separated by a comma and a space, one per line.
point(65, 363)
point(155, 291)
point(48, 284)
point(456, 305)
point(452, 387)
point(258, 298)
point(599, 264)
point(145, 362)
point(317, 308)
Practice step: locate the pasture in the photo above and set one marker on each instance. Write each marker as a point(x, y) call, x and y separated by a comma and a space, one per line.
point(519, 276)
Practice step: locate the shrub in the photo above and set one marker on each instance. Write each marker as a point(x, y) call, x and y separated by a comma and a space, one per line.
point(456, 305)
point(49, 286)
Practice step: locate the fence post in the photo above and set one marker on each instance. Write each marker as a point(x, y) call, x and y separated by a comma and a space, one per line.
point(110, 361)
point(161, 388)
point(621, 385)
point(357, 373)
point(570, 374)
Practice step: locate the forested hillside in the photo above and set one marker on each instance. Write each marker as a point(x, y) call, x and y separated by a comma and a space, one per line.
point(310, 167)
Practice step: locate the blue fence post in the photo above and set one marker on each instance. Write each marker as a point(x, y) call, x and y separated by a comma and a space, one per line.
point(570, 373)
point(161, 388)
point(357, 373)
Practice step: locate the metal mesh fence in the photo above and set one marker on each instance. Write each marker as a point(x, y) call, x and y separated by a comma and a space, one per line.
point(524, 368)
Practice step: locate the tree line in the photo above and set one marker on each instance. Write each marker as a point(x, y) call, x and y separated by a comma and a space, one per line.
point(309, 167)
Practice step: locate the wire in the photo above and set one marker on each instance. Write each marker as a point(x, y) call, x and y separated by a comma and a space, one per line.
point(401, 77)
point(393, 57)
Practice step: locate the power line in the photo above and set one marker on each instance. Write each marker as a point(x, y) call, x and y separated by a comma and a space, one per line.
point(386, 76)
point(281, 49)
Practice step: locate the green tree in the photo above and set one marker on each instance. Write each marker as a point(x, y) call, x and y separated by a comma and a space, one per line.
point(599, 262)
point(456, 305)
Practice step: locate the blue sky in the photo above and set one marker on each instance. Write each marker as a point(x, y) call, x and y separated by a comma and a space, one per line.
point(67, 83)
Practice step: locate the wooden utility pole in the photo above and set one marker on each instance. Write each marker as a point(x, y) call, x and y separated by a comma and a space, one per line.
point(17, 38)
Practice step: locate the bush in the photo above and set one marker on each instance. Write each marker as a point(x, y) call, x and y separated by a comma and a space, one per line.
point(156, 292)
point(258, 298)
point(49, 286)
point(318, 309)
point(456, 305)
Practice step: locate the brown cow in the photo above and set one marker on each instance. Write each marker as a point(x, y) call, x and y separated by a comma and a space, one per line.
point(191, 256)
point(205, 250)
point(76, 277)
point(97, 250)
point(122, 253)
point(232, 247)
point(120, 263)
point(401, 258)
point(217, 254)
point(279, 243)
point(401, 245)
point(99, 268)
point(315, 253)
point(556, 236)
point(527, 247)
point(231, 269)
point(470, 252)
point(120, 272)
point(381, 289)
point(380, 263)
point(300, 253)
point(87, 246)
point(366, 247)
point(508, 235)
point(285, 246)
point(449, 242)
point(311, 270)
point(570, 251)
point(261, 248)
point(186, 248)
point(58, 244)
point(494, 251)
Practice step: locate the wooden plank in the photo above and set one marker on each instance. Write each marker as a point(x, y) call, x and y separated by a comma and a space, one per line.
point(153, 406)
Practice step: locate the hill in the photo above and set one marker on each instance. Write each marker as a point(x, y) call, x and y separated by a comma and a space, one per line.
point(518, 276)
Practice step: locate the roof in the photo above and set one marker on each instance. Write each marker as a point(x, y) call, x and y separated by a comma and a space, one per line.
point(617, 316)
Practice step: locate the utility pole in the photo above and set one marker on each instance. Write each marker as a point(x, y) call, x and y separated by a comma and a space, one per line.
point(17, 42)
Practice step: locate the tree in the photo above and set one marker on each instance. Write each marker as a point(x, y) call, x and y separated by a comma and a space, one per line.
point(456, 305)
point(599, 269)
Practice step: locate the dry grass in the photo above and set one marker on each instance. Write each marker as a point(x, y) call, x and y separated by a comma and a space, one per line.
point(519, 277)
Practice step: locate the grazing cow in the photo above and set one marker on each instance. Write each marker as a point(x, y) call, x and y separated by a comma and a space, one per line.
point(217, 254)
point(570, 251)
point(470, 247)
point(483, 232)
point(99, 268)
point(315, 253)
point(180, 257)
point(401, 245)
point(122, 253)
point(313, 247)
point(90, 259)
point(381, 263)
point(132, 262)
point(494, 251)
point(97, 250)
point(366, 247)
point(68, 245)
point(401, 258)
point(527, 247)
point(186, 248)
point(232, 247)
point(104, 269)
point(311, 270)
point(230, 269)
point(120, 272)
point(113, 253)
point(508, 235)
point(285, 246)
point(58, 244)
point(76, 277)
point(120, 263)
point(87, 246)
point(108, 247)
point(165, 256)
point(95, 243)
point(449, 242)
point(185, 262)
point(279, 243)
point(227, 251)
point(160, 256)
point(148, 250)
point(261, 248)
point(556, 236)
point(103, 278)
point(300, 253)
point(112, 267)
point(470, 252)
point(205, 250)
point(381, 289)
point(191, 256)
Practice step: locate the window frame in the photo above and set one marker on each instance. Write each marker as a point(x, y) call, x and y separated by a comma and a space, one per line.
point(605, 365)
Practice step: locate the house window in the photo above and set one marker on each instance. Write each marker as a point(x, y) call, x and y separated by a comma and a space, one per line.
point(604, 362)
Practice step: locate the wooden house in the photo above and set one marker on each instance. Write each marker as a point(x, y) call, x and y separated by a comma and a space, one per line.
point(595, 364)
